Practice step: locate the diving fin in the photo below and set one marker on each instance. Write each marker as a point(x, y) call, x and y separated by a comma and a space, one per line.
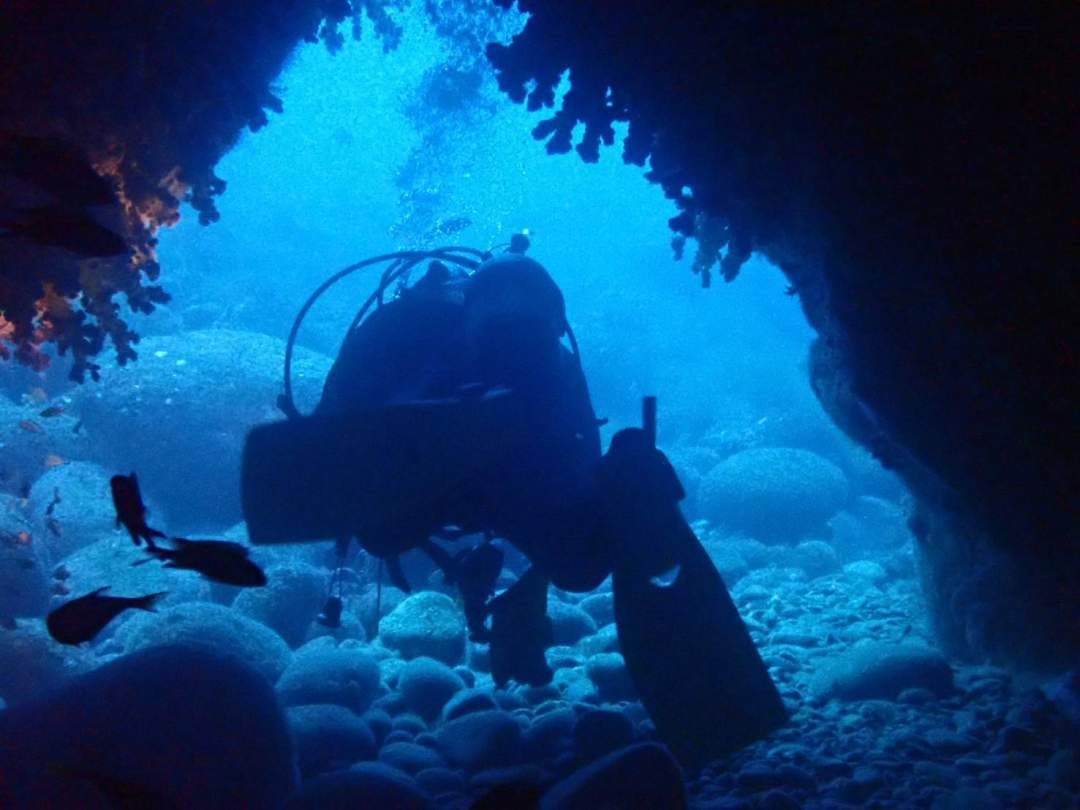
point(397, 576)
point(687, 650)
point(521, 632)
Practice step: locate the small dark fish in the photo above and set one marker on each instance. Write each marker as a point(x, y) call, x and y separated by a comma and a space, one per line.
point(130, 509)
point(78, 427)
point(31, 426)
point(61, 572)
point(60, 589)
point(54, 410)
point(59, 226)
point(25, 564)
point(81, 619)
point(218, 560)
point(55, 500)
point(53, 525)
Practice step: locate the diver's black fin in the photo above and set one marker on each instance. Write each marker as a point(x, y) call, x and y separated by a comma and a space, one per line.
point(397, 576)
point(521, 632)
point(441, 557)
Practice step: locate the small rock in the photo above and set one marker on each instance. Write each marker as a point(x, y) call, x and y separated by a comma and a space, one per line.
point(328, 737)
point(467, 701)
point(569, 623)
point(410, 757)
point(881, 670)
point(480, 740)
point(427, 685)
point(867, 570)
point(290, 601)
point(601, 606)
point(321, 672)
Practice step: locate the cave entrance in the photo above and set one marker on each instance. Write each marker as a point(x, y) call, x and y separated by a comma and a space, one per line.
point(415, 147)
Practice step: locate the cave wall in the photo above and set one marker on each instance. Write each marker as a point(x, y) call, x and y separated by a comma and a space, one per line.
point(910, 168)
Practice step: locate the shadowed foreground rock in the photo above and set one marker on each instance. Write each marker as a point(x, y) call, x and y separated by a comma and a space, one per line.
point(169, 727)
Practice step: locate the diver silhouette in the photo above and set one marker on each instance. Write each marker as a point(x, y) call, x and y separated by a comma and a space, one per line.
point(455, 408)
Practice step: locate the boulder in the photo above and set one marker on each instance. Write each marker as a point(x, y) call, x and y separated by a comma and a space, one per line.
point(111, 562)
point(882, 670)
point(608, 672)
point(601, 731)
point(480, 740)
point(180, 414)
point(328, 737)
point(815, 558)
point(476, 699)
point(774, 493)
point(427, 685)
point(426, 624)
point(25, 570)
point(569, 623)
point(410, 757)
point(601, 606)
point(82, 509)
point(323, 672)
point(30, 444)
point(209, 625)
point(549, 735)
point(289, 602)
point(368, 786)
point(31, 663)
point(643, 775)
point(131, 724)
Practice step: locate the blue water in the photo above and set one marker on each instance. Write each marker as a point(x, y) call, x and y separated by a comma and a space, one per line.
point(808, 532)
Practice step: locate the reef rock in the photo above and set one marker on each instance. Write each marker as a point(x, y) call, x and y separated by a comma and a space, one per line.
point(180, 414)
point(774, 493)
point(209, 625)
point(608, 672)
point(31, 444)
point(132, 723)
point(569, 623)
point(426, 624)
point(323, 672)
point(600, 732)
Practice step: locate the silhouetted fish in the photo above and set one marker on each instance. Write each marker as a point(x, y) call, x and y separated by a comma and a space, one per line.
point(218, 560)
point(130, 509)
point(81, 619)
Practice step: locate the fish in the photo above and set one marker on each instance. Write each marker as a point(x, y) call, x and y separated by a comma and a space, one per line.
point(61, 572)
point(30, 426)
point(37, 395)
point(60, 589)
point(55, 500)
point(53, 460)
point(81, 619)
point(219, 560)
point(58, 226)
point(51, 411)
point(53, 525)
point(130, 509)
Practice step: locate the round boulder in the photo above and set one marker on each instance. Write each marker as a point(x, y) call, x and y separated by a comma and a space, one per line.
point(323, 672)
point(179, 415)
point(289, 602)
point(328, 737)
point(480, 740)
point(204, 624)
point(426, 624)
point(774, 493)
point(427, 685)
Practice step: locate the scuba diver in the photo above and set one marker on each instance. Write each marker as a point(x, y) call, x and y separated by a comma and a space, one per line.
point(455, 409)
